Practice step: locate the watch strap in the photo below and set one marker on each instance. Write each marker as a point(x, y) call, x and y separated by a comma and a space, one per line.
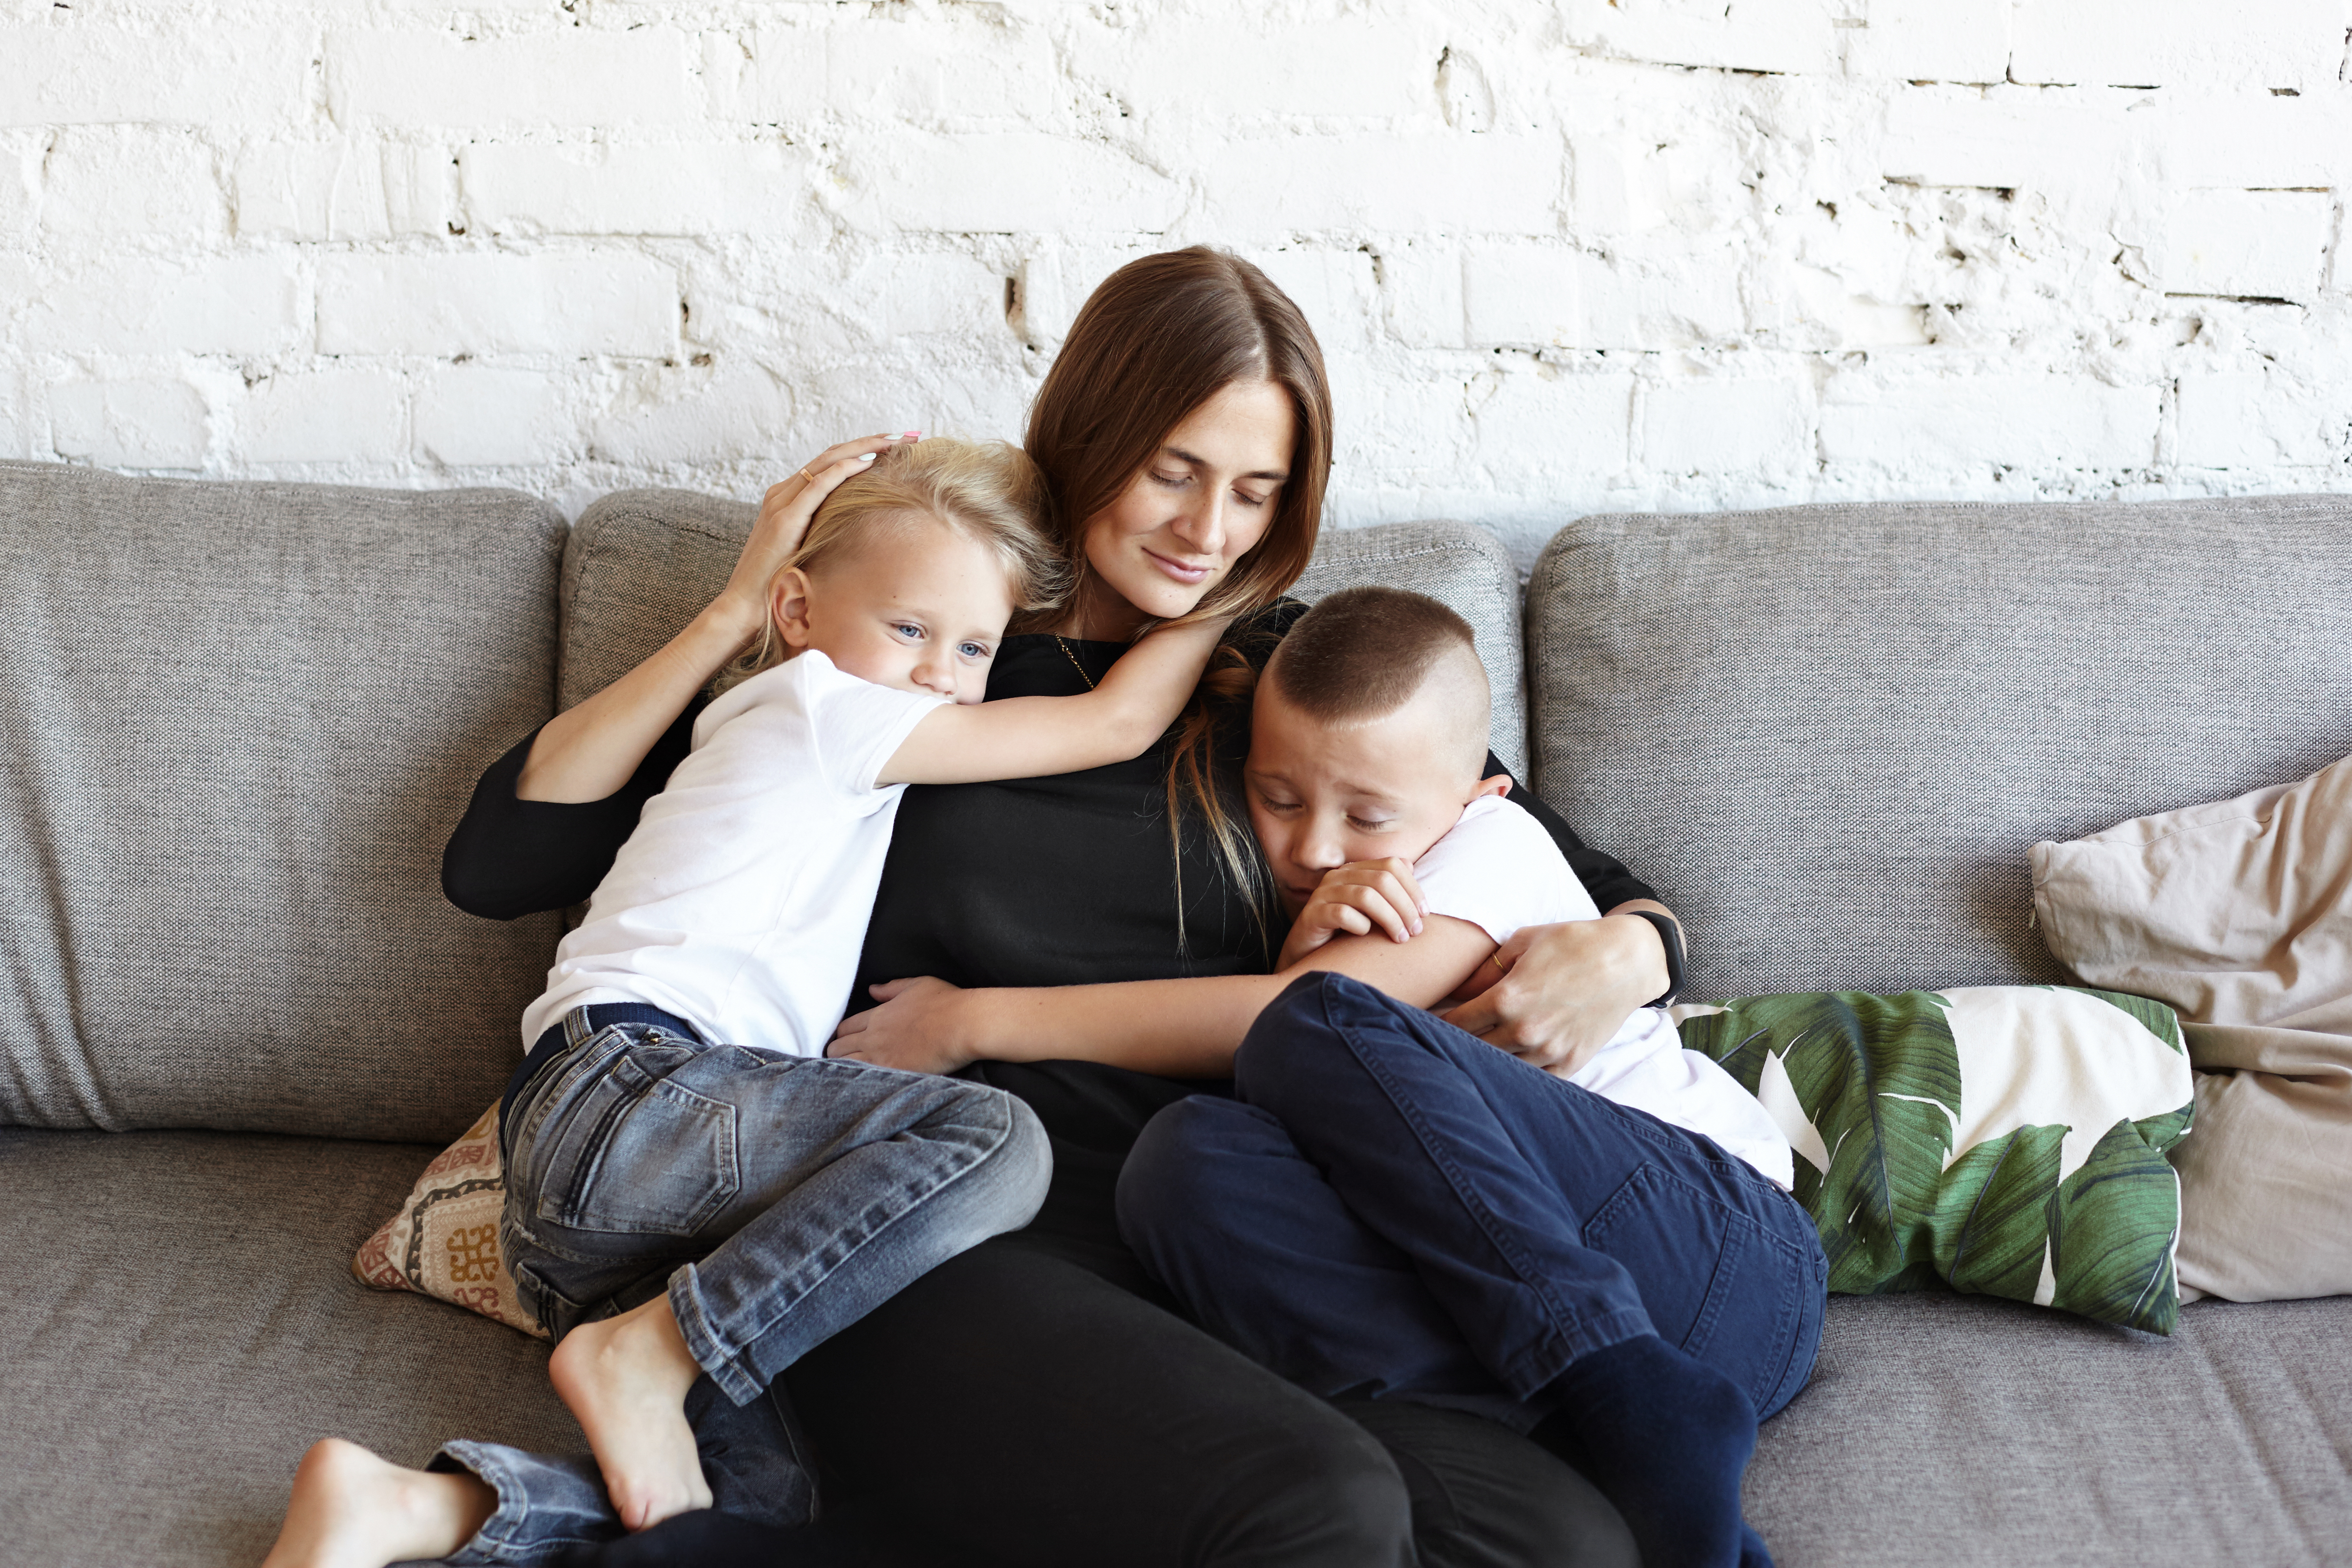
point(1670, 933)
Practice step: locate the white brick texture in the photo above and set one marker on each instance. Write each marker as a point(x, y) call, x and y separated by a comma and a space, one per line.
point(1601, 253)
point(485, 303)
point(655, 189)
point(131, 424)
point(323, 416)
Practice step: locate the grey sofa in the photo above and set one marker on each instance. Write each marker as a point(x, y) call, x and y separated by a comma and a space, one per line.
point(239, 720)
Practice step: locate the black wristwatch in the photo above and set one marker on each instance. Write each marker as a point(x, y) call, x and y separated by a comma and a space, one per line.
point(1670, 932)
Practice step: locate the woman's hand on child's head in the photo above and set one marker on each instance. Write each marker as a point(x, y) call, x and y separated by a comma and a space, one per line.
point(918, 1028)
point(785, 514)
point(1355, 899)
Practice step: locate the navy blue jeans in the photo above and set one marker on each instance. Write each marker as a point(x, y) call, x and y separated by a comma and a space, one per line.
point(1391, 1208)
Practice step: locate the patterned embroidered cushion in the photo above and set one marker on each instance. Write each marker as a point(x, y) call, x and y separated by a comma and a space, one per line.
point(444, 1242)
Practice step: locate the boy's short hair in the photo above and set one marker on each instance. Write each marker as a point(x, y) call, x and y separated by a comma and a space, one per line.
point(1362, 653)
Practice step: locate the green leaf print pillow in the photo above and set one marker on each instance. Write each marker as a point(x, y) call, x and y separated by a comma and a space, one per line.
point(2007, 1140)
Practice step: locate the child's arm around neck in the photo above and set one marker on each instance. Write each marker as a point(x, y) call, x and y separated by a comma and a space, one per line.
point(1029, 737)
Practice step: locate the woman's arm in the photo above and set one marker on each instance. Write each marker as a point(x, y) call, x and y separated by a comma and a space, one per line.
point(1029, 737)
point(1567, 989)
point(1179, 1028)
point(590, 751)
point(509, 857)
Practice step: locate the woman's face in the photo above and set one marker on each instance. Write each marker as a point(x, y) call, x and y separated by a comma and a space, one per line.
point(1202, 502)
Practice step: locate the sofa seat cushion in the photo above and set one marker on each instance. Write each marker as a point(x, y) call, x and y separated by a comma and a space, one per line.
point(240, 720)
point(182, 1323)
point(1946, 1431)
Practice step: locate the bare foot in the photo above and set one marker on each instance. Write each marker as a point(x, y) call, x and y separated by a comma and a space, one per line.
point(625, 1379)
point(352, 1510)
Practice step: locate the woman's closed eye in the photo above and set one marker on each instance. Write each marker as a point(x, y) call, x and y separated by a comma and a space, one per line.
point(1254, 500)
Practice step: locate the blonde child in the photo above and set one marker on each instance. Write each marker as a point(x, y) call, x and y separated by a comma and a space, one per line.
point(694, 1189)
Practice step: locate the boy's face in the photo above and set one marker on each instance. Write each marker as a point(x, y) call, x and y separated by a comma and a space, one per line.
point(1321, 795)
point(921, 608)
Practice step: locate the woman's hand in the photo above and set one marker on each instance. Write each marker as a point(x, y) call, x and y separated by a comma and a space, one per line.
point(921, 1026)
point(1354, 899)
point(587, 752)
point(1566, 990)
point(785, 514)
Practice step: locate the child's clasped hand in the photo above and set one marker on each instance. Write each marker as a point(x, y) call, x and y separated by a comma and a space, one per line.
point(1354, 900)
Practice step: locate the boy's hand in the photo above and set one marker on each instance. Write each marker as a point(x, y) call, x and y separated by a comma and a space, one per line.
point(1354, 900)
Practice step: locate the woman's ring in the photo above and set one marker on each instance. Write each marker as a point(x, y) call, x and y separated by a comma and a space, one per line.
point(808, 477)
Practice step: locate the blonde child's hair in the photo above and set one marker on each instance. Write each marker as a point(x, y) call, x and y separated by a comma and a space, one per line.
point(990, 492)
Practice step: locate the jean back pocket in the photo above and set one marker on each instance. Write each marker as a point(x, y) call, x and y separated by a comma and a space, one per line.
point(630, 1151)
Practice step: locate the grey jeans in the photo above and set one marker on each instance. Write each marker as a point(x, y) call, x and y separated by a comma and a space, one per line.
point(777, 1198)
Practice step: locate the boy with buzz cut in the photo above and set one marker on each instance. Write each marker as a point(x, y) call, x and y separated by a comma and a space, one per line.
point(1604, 1256)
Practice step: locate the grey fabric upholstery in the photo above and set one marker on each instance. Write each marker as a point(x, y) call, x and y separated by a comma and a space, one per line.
point(1463, 567)
point(182, 1323)
point(1827, 734)
point(639, 566)
point(239, 721)
point(643, 562)
point(1961, 1432)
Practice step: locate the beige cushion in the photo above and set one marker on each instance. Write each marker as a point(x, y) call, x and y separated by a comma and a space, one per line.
point(2237, 914)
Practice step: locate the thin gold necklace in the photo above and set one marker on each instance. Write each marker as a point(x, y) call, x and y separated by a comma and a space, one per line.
point(1066, 653)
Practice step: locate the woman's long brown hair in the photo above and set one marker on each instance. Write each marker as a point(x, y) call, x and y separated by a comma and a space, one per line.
point(1159, 338)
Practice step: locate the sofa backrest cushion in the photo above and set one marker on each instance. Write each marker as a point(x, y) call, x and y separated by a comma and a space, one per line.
point(1828, 734)
point(643, 562)
point(239, 722)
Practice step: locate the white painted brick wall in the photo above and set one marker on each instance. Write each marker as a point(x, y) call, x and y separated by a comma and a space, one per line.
point(1562, 258)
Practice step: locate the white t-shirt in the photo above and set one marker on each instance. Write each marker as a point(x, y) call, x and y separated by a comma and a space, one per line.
point(1498, 868)
point(741, 901)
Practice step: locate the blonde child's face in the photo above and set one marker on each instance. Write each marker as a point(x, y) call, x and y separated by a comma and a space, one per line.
point(1322, 795)
point(921, 608)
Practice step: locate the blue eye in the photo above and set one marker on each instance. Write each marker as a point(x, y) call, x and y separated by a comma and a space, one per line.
point(973, 651)
point(908, 629)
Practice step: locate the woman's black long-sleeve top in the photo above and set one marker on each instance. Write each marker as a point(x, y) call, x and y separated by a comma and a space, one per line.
point(1020, 1402)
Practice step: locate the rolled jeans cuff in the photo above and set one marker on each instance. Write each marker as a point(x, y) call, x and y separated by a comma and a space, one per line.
point(721, 1365)
point(545, 1505)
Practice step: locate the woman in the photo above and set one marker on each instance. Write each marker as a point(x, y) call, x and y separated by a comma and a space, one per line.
point(1033, 1401)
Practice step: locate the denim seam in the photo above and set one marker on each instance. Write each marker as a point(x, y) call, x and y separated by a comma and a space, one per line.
point(514, 1501)
point(726, 1367)
point(1573, 1335)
